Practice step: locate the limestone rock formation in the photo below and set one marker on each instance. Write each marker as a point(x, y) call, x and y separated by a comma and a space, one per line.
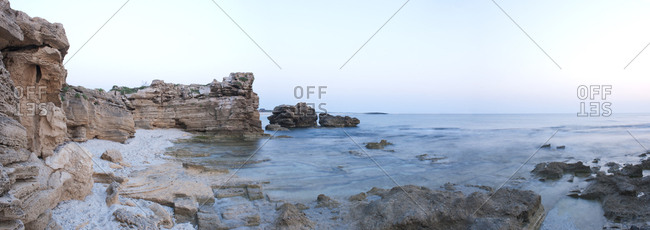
point(327, 120)
point(96, 114)
point(33, 51)
point(415, 207)
point(36, 173)
point(299, 116)
point(228, 107)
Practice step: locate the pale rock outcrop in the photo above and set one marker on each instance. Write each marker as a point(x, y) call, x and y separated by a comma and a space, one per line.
point(36, 173)
point(327, 120)
point(228, 107)
point(299, 116)
point(33, 51)
point(96, 114)
point(112, 155)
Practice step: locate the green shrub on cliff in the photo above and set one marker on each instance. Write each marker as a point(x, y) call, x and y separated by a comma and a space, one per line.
point(126, 90)
point(243, 78)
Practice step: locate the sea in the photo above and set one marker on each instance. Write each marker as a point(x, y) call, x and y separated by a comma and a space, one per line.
point(432, 150)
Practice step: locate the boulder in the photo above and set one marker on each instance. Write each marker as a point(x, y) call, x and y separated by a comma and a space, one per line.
point(112, 155)
point(299, 116)
point(555, 170)
point(291, 218)
point(327, 120)
point(113, 194)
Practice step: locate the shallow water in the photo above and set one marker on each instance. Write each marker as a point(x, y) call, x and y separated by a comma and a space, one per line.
point(469, 149)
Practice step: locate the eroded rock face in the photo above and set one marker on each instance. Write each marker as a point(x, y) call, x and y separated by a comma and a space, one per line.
point(327, 120)
point(33, 51)
point(97, 114)
point(507, 209)
point(228, 107)
point(35, 175)
point(299, 116)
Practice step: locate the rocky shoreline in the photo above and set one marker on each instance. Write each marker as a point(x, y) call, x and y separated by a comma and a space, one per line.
point(77, 158)
point(168, 194)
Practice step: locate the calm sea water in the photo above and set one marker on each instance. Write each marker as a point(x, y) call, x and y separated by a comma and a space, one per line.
point(470, 149)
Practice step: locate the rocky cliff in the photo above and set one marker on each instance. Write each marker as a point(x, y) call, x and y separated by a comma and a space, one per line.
point(228, 107)
point(36, 171)
point(97, 114)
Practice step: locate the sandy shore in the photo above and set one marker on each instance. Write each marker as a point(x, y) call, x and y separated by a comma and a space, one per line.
point(144, 150)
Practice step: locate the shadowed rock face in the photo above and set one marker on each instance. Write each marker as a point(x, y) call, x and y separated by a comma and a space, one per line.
point(228, 107)
point(299, 116)
point(97, 114)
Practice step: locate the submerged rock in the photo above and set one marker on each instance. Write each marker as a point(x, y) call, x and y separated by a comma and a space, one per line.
point(327, 120)
point(299, 116)
point(378, 145)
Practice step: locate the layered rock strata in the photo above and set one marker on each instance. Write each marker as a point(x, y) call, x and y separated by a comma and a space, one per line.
point(228, 107)
point(36, 173)
point(97, 114)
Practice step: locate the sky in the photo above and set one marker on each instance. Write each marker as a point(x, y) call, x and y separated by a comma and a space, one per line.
point(432, 57)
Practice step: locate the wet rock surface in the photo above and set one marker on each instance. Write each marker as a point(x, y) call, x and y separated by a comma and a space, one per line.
point(414, 207)
point(378, 145)
point(299, 116)
point(623, 194)
point(555, 170)
point(327, 120)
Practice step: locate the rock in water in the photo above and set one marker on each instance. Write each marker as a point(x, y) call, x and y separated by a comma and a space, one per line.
point(228, 107)
point(555, 170)
point(507, 209)
point(327, 120)
point(275, 127)
point(299, 116)
point(378, 145)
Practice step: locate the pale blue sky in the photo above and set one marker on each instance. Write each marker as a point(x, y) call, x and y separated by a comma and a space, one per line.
point(433, 57)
